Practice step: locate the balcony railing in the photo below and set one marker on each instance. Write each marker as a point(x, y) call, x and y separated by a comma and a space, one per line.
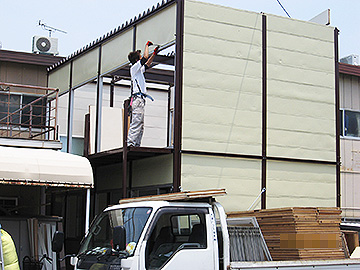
point(28, 112)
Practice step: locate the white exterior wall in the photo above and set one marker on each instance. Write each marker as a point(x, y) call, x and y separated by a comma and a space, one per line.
point(350, 150)
point(222, 106)
point(155, 132)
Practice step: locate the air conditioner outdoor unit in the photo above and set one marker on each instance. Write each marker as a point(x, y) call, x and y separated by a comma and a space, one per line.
point(352, 59)
point(45, 45)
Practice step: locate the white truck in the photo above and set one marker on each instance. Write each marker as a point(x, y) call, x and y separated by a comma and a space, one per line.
point(183, 231)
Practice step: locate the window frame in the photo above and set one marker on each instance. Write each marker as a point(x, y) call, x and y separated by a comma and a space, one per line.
point(21, 105)
point(343, 124)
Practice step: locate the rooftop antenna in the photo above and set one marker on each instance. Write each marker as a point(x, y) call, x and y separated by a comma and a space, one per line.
point(50, 28)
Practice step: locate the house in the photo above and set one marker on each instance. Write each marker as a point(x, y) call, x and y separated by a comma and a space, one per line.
point(349, 139)
point(32, 166)
point(252, 107)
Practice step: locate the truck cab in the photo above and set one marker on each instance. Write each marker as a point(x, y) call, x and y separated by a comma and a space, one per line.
point(158, 235)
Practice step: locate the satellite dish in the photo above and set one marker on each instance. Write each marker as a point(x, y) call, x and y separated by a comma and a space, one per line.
point(43, 44)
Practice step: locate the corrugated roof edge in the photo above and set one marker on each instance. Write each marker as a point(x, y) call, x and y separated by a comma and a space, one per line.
point(116, 31)
point(349, 69)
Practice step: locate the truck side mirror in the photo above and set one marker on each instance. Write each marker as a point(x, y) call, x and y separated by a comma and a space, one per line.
point(119, 238)
point(57, 241)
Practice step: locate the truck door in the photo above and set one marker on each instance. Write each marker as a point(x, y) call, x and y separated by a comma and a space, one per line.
point(179, 239)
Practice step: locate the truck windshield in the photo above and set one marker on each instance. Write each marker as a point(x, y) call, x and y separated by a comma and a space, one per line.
point(101, 232)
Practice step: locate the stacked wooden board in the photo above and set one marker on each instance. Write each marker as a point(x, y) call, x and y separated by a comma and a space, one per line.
point(300, 233)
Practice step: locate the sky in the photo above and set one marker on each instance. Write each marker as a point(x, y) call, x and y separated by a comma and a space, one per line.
point(86, 20)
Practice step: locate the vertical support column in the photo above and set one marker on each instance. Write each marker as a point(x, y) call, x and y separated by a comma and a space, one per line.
point(134, 38)
point(112, 86)
point(169, 117)
point(99, 99)
point(178, 94)
point(264, 113)
point(125, 148)
point(337, 117)
point(70, 113)
point(87, 210)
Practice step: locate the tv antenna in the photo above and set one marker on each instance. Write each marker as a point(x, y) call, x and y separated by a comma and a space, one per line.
point(50, 28)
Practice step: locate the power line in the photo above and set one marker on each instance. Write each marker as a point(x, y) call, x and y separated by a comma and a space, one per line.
point(283, 8)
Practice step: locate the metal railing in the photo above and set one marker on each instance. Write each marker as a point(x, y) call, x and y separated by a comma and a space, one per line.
point(35, 119)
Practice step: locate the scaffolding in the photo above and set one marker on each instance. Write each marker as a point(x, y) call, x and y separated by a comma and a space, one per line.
point(28, 112)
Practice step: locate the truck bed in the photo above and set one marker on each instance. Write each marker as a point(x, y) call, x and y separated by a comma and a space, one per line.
point(299, 265)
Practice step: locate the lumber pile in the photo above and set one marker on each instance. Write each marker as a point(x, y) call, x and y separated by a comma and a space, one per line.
point(300, 233)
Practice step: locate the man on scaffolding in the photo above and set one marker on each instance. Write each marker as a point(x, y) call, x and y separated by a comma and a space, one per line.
point(139, 64)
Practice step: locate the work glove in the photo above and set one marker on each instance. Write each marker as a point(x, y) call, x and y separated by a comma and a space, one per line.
point(149, 43)
point(156, 50)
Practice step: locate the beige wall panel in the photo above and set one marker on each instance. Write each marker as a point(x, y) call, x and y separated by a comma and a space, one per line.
point(308, 93)
point(240, 177)
point(300, 28)
point(300, 184)
point(290, 41)
point(224, 15)
point(226, 41)
point(85, 67)
point(221, 89)
point(159, 28)
point(152, 171)
point(221, 64)
point(60, 78)
point(221, 92)
point(300, 60)
point(114, 52)
point(302, 76)
point(301, 90)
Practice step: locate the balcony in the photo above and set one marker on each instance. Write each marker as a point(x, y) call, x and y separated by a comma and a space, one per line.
point(28, 114)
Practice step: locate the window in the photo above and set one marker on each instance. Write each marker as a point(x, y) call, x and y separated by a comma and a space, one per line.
point(33, 115)
point(174, 231)
point(350, 123)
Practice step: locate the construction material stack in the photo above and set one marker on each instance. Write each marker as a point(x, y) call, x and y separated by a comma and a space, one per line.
point(300, 233)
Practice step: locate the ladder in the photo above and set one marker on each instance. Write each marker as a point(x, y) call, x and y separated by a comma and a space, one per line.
point(1, 252)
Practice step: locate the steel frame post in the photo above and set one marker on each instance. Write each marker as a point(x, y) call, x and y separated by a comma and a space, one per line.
point(178, 94)
point(337, 117)
point(70, 113)
point(264, 113)
point(125, 148)
point(99, 100)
